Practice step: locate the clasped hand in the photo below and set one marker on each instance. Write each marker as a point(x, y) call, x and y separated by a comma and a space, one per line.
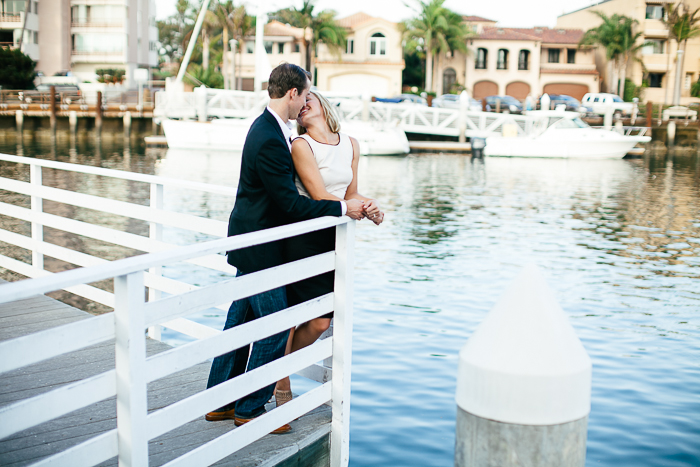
point(369, 209)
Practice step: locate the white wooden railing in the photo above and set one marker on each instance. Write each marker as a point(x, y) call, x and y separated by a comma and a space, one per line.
point(133, 314)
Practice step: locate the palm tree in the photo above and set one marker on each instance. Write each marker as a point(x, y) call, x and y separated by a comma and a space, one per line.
point(452, 38)
point(607, 35)
point(629, 48)
point(323, 26)
point(682, 25)
point(236, 23)
point(435, 29)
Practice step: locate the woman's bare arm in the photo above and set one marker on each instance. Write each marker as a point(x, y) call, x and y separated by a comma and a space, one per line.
point(307, 169)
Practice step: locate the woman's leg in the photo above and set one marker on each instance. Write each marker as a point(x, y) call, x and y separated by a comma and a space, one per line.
point(307, 333)
point(284, 384)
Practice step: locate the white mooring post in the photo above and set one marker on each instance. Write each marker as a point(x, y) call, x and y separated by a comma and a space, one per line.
point(545, 102)
point(524, 384)
point(200, 96)
point(130, 360)
point(342, 344)
point(365, 106)
point(127, 124)
point(462, 119)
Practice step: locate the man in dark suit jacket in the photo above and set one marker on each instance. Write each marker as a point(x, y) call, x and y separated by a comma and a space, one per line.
point(267, 197)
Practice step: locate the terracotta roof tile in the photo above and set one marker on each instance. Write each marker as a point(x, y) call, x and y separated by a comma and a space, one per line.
point(275, 28)
point(545, 35)
point(477, 19)
point(352, 21)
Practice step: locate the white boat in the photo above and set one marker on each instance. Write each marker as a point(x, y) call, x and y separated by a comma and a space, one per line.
point(229, 134)
point(560, 134)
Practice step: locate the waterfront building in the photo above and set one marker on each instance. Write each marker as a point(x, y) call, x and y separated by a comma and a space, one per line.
point(657, 70)
point(519, 62)
point(14, 18)
point(372, 61)
point(82, 36)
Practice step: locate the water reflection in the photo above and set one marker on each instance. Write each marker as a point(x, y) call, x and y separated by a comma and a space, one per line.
point(619, 241)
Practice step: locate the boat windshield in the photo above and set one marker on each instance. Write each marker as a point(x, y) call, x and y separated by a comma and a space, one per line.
point(569, 123)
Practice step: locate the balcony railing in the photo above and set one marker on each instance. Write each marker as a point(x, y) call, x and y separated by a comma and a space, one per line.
point(99, 23)
point(10, 18)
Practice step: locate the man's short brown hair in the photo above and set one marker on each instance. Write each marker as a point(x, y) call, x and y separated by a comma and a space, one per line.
point(285, 77)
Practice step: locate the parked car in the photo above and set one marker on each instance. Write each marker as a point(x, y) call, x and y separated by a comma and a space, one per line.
point(598, 102)
point(451, 101)
point(572, 104)
point(403, 99)
point(508, 103)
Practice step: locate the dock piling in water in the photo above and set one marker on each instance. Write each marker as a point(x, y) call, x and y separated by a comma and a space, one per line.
point(52, 107)
point(98, 114)
point(524, 384)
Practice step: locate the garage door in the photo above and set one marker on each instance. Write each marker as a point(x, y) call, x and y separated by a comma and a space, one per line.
point(518, 89)
point(360, 83)
point(574, 90)
point(485, 88)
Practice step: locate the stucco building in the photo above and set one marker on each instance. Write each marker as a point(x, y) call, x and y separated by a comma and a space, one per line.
point(12, 20)
point(659, 71)
point(372, 62)
point(519, 61)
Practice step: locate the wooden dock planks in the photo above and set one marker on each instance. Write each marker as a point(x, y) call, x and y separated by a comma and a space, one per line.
point(308, 438)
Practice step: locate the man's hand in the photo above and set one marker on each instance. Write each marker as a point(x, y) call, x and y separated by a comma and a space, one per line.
point(355, 209)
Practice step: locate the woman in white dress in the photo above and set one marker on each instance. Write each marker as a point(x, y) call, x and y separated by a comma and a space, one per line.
point(326, 164)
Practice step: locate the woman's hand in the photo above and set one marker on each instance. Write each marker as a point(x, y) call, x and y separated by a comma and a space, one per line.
point(371, 207)
point(377, 219)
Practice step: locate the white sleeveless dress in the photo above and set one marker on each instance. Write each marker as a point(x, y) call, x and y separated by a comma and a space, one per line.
point(335, 164)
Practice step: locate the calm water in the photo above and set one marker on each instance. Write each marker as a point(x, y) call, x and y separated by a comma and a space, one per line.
point(619, 242)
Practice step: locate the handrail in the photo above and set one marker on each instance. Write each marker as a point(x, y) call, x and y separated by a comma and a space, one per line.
point(24, 289)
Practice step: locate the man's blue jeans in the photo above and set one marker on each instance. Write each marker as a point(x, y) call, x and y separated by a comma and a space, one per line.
point(232, 364)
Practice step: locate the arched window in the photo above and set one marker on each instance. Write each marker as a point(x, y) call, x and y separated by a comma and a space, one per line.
point(482, 56)
point(502, 63)
point(524, 60)
point(377, 44)
point(449, 77)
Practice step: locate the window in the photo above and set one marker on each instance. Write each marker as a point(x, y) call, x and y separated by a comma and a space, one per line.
point(655, 12)
point(656, 80)
point(502, 63)
point(268, 46)
point(570, 55)
point(654, 46)
point(249, 47)
point(523, 60)
point(36, 37)
point(98, 14)
point(280, 48)
point(377, 44)
point(449, 78)
point(350, 46)
point(688, 80)
point(553, 56)
point(296, 48)
point(481, 59)
point(13, 7)
point(92, 43)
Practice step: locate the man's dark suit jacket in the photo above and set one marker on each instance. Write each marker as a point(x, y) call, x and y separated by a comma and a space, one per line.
point(267, 196)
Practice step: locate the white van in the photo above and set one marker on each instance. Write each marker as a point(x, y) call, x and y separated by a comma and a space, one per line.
point(598, 102)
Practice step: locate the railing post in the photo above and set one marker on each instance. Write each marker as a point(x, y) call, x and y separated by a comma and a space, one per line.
point(156, 234)
point(130, 362)
point(37, 206)
point(342, 344)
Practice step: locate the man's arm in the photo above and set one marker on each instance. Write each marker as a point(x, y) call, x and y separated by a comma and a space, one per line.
point(275, 171)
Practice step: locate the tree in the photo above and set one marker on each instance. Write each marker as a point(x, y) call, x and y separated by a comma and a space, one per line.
point(449, 39)
point(608, 36)
point(16, 69)
point(238, 25)
point(682, 25)
point(435, 29)
point(629, 48)
point(323, 26)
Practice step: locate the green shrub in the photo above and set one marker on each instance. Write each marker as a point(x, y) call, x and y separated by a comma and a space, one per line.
point(16, 70)
point(695, 89)
point(632, 91)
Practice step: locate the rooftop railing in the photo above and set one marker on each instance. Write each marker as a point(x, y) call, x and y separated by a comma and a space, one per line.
point(169, 302)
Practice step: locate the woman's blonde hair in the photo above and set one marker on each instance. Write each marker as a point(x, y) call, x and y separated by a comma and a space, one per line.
point(328, 111)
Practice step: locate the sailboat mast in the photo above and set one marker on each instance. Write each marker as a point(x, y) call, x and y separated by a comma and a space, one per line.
point(193, 41)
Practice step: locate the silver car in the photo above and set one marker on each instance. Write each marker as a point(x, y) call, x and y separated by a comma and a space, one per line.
point(451, 101)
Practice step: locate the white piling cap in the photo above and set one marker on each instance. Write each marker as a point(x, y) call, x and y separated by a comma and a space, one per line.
point(524, 363)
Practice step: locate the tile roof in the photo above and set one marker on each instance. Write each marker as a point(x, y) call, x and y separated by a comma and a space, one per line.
point(477, 19)
point(545, 35)
point(275, 28)
point(569, 71)
point(352, 21)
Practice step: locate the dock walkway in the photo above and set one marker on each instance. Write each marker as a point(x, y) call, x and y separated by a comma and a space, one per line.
point(307, 445)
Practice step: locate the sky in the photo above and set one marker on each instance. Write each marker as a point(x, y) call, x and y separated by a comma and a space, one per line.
point(508, 13)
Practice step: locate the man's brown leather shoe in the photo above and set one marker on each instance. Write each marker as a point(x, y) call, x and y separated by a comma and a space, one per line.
point(218, 416)
point(286, 428)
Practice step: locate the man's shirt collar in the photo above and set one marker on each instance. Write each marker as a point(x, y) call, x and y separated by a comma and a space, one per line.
point(286, 127)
